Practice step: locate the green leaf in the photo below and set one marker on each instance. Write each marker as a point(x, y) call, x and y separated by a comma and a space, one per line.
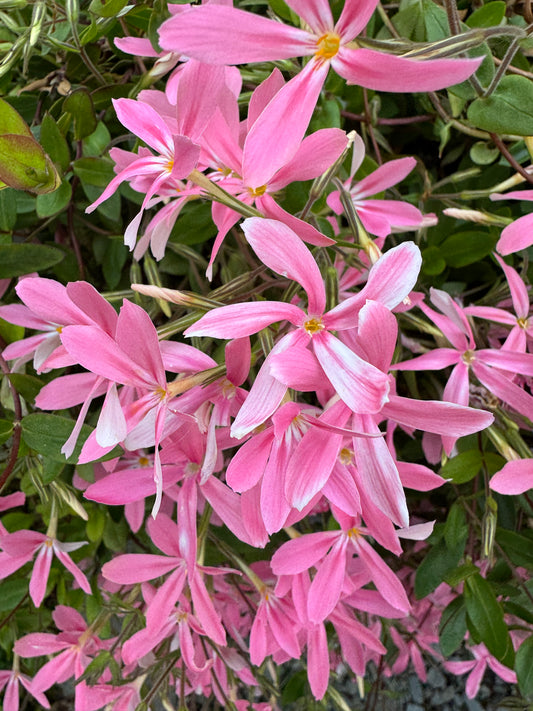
point(28, 386)
point(13, 592)
point(95, 144)
point(54, 143)
point(6, 430)
point(452, 626)
point(455, 529)
point(433, 263)
point(25, 166)
point(46, 434)
point(482, 153)
point(12, 122)
point(463, 467)
point(115, 535)
point(107, 8)
point(94, 171)
point(507, 110)
point(80, 105)
point(8, 209)
point(489, 15)
point(18, 259)
point(52, 203)
point(485, 615)
point(464, 248)
point(437, 564)
point(519, 548)
point(95, 525)
point(524, 668)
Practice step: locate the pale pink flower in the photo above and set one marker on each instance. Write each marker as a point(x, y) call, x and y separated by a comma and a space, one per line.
point(20, 547)
point(379, 217)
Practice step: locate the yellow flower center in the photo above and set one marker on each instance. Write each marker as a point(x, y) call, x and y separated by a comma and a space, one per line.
point(144, 461)
point(522, 322)
point(327, 46)
point(468, 357)
point(346, 456)
point(353, 533)
point(313, 325)
point(257, 192)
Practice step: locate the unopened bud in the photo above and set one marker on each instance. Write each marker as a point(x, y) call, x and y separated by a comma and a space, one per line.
point(478, 216)
point(488, 528)
point(182, 298)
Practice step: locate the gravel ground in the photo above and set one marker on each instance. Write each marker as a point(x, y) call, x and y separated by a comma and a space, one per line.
point(442, 691)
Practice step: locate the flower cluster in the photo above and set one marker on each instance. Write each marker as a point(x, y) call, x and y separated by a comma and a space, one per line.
point(286, 435)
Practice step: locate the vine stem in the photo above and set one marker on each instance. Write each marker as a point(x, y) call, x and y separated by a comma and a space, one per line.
point(510, 159)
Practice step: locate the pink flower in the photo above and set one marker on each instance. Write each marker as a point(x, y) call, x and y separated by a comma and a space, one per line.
point(477, 667)
point(379, 216)
point(519, 234)
point(362, 386)
point(10, 680)
point(20, 547)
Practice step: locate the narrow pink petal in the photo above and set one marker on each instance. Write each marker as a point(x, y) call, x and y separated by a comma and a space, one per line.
point(69, 390)
point(266, 393)
point(22, 316)
point(516, 236)
point(378, 473)
point(354, 17)
point(363, 387)
point(89, 300)
point(434, 360)
point(270, 208)
point(37, 644)
point(444, 418)
point(266, 148)
point(315, 155)
point(519, 292)
point(132, 322)
point(317, 660)
point(516, 477)
point(302, 553)
point(491, 313)
point(147, 166)
point(104, 357)
point(248, 463)
point(205, 610)
point(40, 573)
point(216, 34)
point(238, 320)
point(384, 177)
point(310, 465)
point(69, 564)
point(274, 506)
point(48, 299)
point(56, 671)
point(521, 363)
point(418, 477)
point(316, 13)
point(237, 355)
point(386, 581)
point(326, 587)
point(227, 505)
point(198, 93)
point(112, 427)
point(281, 250)
point(298, 368)
point(474, 679)
point(138, 567)
point(138, 46)
point(144, 121)
point(377, 334)
point(264, 93)
point(387, 72)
